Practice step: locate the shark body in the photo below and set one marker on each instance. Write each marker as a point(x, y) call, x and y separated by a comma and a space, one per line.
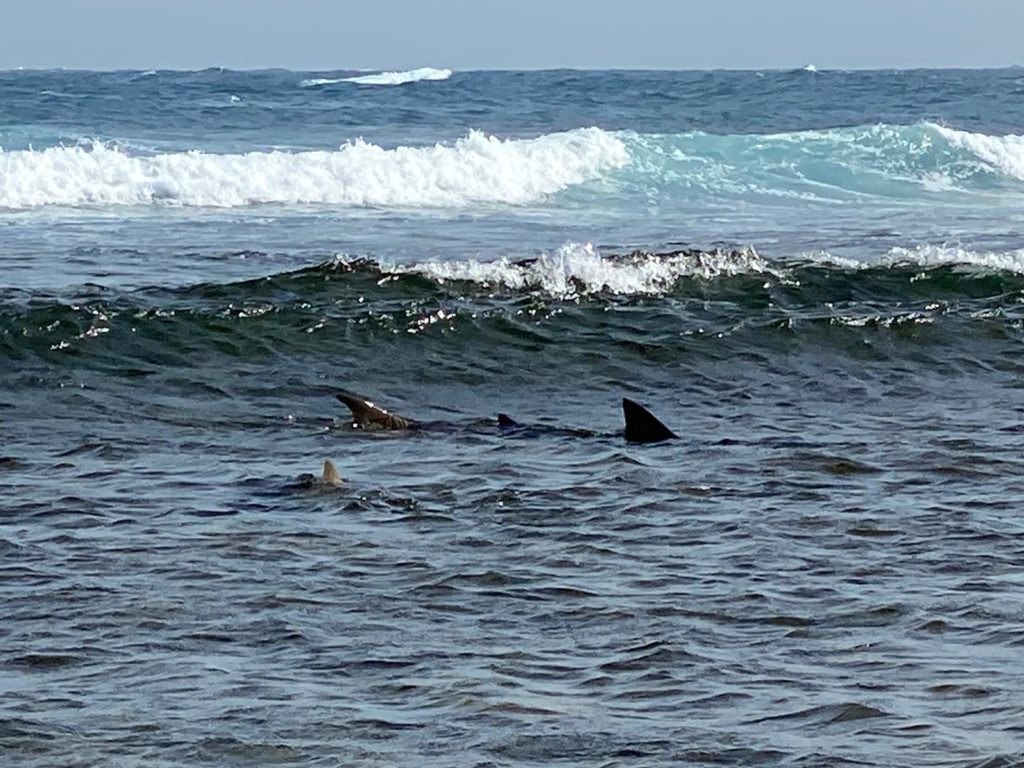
point(641, 426)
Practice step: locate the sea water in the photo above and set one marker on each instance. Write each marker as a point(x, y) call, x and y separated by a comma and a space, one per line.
point(815, 278)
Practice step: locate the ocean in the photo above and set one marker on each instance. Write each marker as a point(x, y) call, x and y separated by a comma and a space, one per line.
point(814, 278)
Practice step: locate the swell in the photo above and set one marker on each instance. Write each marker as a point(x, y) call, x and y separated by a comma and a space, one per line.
point(657, 305)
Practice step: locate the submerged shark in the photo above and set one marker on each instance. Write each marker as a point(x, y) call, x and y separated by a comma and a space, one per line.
point(641, 425)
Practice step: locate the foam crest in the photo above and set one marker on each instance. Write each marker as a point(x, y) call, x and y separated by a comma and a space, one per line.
point(382, 78)
point(477, 169)
point(578, 268)
point(400, 78)
point(1004, 154)
point(312, 82)
point(930, 257)
point(944, 255)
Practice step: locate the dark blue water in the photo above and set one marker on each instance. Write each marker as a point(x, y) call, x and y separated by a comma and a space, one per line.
point(816, 279)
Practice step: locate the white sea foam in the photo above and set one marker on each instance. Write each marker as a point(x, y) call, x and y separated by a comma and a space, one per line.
point(1004, 154)
point(477, 169)
point(382, 78)
point(314, 81)
point(810, 68)
point(400, 78)
point(577, 268)
point(930, 256)
point(946, 255)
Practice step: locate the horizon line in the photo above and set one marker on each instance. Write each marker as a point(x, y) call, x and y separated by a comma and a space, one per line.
point(803, 67)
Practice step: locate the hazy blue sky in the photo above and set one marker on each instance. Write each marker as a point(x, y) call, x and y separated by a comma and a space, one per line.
point(527, 34)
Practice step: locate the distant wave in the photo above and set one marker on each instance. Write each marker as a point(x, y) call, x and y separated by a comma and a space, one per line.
point(383, 78)
point(315, 81)
point(473, 170)
point(399, 78)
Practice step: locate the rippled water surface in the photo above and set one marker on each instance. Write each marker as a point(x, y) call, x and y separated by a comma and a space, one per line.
point(825, 303)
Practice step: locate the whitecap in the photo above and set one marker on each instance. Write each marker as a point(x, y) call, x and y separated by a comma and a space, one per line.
point(476, 169)
point(576, 268)
point(400, 78)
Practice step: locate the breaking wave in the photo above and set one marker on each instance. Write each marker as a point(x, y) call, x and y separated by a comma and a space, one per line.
point(930, 257)
point(473, 170)
point(922, 163)
point(578, 268)
point(382, 78)
point(400, 78)
point(654, 300)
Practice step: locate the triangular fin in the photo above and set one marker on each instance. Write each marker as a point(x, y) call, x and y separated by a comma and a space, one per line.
point(642, 426)
point(331, 476)
point(505, 421)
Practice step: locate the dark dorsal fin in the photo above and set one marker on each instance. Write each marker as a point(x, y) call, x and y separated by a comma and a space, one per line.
point(366, 415)
point(642, 426)
point(505, 421)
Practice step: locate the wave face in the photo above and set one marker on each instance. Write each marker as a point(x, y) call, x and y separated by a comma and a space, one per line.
point(922, 163)
point(887, 162)
point(473, 170)
point(736, 299)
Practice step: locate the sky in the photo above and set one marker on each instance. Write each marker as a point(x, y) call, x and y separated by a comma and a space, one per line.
point(510, 34)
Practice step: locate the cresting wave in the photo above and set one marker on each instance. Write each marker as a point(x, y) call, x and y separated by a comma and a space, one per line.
point(920, 162)
point(923, 163)
point(931, 257)
point(643, 300)
point(382, 78)
point(473, 170)
point(579, 269)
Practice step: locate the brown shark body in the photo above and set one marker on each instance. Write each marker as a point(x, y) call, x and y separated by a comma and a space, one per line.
point(366, 415)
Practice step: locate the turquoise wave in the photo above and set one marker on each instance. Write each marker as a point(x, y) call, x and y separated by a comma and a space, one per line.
point(923, 161)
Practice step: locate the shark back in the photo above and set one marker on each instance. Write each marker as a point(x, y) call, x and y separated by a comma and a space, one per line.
point(642, 426)
point(366, 415)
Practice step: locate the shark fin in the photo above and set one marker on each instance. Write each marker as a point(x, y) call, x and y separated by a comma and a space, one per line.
point(366, 415)
point(642, 426)
point(331, 476)
point(505, 421)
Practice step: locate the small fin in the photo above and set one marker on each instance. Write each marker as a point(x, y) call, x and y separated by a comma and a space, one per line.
point(331, 476)
point(642, 426)
point(505, 421)
point(366, 415)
